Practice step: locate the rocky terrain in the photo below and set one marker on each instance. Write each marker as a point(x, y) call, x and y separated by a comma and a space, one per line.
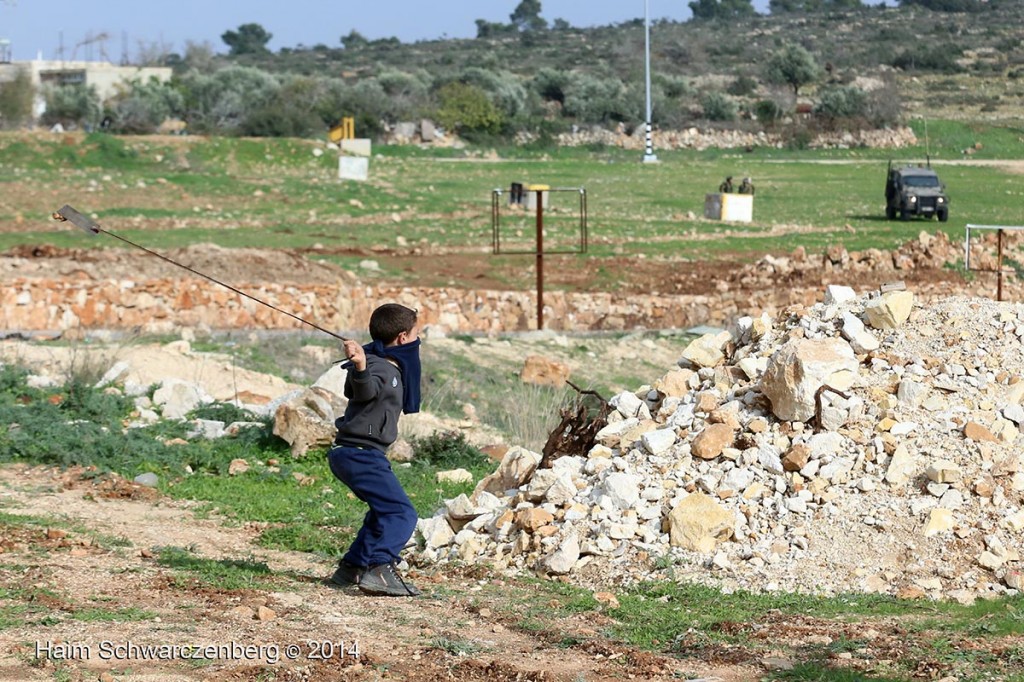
point(865, 443)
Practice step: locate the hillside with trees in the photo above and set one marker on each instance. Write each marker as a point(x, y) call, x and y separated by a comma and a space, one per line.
point(846, 64)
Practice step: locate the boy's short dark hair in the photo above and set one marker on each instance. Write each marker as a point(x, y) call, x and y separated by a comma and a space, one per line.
point(390, 320)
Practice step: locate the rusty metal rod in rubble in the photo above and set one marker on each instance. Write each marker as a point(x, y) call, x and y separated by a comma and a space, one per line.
point(69, 214)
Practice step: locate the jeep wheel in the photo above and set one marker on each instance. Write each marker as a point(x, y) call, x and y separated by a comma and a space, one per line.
point(890, 213)
point(904, 214)
point(943, 215)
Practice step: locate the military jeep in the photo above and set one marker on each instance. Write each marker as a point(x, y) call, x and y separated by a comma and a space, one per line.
point(915, 191)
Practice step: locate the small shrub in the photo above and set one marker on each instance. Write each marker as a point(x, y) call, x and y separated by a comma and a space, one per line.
point(448, 450)
point(743, 86)
point(16, 101)
point(799, 138)
point(718, 107)
point(224, 412)
point(768, 111)
point(938, 58)
point(72, 105)
point(843, 101)
point(145, 106)
point(551, 84)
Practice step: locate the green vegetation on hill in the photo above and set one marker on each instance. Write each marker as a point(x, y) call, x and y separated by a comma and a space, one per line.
point(526, 77)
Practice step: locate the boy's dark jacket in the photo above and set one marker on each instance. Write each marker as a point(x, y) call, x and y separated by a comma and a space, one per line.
point(374, 405)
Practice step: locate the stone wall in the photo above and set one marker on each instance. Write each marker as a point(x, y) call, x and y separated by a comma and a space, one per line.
point(710, 138)
point(163, 305)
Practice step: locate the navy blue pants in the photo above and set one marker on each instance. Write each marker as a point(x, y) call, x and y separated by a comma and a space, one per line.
point(391, 520)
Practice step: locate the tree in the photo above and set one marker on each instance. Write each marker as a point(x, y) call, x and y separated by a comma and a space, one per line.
point(526, 16)
point(16, 100)
point(793, 66)
point(354, 39)
point(466, 109)
point(492, 29)
point(72, 105)
point(808, 6)
point(145, 106)
point(949, 5)
point(222, 100)
point(721, 9)
point(248, 39)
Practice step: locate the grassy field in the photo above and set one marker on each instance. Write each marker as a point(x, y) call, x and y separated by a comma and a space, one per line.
point(277, 194)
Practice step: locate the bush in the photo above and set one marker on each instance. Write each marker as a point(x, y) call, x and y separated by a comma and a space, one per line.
point(674, 87)
point(921, 57)
point(841, 101)
point(466, 109)
point(502, 88)
point(72, 105)
point(16, 101)
point(448, 450)
point(882, 106)
point(223, 100)
point(145, 106)
point(551, 84)
point(769, 111)
point(367, 102)
point(718, 107)
point(743, 86)
point(287, 114)
point(596, 99)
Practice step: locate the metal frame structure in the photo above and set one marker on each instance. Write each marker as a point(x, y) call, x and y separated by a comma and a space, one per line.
point(1000, 230)
point(538, 252)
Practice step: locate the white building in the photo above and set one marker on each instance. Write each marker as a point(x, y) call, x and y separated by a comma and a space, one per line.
point(104, 76)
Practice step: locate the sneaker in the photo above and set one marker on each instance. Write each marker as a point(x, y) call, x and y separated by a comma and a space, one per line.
point(384, 579)
point(347, 575)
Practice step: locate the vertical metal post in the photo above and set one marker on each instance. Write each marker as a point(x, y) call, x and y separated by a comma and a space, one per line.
point(495, 221)
point(999, 267)
point(540, 259)
point(649, 156)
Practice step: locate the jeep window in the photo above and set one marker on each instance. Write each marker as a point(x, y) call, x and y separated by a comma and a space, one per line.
point(920, 181)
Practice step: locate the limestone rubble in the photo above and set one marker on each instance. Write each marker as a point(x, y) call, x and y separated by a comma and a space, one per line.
point(897, 469)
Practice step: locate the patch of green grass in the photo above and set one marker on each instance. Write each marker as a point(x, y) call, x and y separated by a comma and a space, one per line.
point(23, 605)
point(226, 574)
point(984, 618)
point(101, 615)
point(817, 671)
point(8, 519)
point(659, 612)
point(456, 647)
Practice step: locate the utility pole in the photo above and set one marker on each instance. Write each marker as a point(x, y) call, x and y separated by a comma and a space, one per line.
point(649, 156)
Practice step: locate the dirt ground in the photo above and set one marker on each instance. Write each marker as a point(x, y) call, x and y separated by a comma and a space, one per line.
point(399, 640)
point(629, 275)
point(101, 556)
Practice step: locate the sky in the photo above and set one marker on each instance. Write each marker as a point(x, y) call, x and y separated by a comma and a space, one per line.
point(41, 26)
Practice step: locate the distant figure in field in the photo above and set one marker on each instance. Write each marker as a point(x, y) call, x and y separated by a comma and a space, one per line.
point(726, 186)
point(747, 187)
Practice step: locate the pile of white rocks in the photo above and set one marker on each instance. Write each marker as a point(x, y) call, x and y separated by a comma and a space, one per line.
point(865, 443)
